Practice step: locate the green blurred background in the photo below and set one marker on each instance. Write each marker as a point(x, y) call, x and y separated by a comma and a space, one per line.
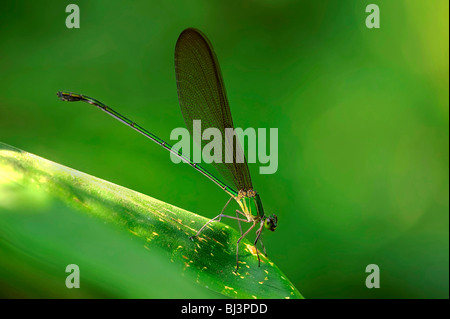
point(362, 116)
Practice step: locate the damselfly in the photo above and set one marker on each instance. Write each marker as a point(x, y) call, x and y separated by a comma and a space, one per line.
point(202, 96)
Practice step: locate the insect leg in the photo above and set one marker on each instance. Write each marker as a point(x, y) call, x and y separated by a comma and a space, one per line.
point(237, 244)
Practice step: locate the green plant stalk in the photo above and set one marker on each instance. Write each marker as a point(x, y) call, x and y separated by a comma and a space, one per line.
point(209, 260)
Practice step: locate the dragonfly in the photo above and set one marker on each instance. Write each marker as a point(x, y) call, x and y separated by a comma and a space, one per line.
point(202, 96)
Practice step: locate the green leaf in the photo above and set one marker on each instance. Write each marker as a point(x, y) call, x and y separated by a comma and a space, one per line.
point(148, 238)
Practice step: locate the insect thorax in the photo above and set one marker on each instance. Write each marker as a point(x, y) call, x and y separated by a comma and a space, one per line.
point(245, 199)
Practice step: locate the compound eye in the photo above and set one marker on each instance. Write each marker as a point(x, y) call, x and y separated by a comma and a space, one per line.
point(271, 223)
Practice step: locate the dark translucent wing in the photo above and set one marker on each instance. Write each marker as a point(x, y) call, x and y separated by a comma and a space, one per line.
point(202, 96)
